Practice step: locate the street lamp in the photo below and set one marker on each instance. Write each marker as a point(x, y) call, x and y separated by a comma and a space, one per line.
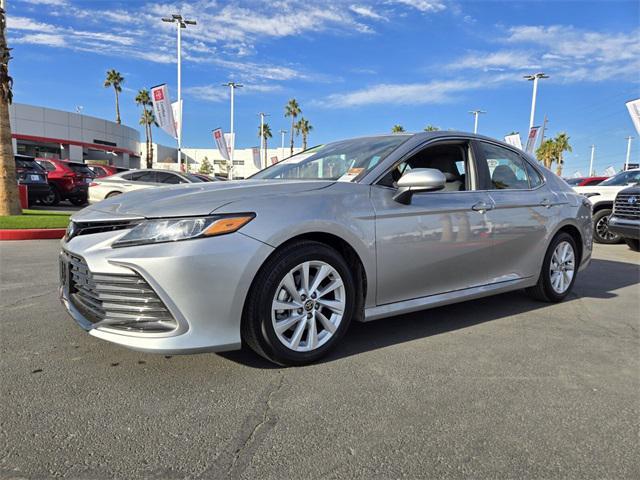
point(180, 24)
point(475, 114)
point(262, 145)
point(282, 134)
point(232, 86)
point(626, 162)
point(535, 77)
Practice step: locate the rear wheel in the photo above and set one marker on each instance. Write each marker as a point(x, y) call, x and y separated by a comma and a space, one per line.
point(633, 243)
point(52, 199)
point(601, 232)
point(79, 201)
point(301, 303)
point(558, 270)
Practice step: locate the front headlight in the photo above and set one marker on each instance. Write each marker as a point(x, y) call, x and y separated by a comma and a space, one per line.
point(174, 229)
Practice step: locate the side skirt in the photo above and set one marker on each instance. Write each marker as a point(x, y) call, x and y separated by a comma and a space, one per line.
point(456, 296)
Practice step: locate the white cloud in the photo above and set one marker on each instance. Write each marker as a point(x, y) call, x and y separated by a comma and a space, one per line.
point(48, 39)
point(24, 23)
point(403, 94)
point(501, 60)
point(218, 93)
point(426, 6)
point(366, 12)
point(46, 2)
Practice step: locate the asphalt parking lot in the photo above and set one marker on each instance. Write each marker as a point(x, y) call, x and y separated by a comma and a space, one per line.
point(503, 387)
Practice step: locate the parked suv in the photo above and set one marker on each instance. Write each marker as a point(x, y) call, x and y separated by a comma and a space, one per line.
point(29, 173)
point(625, 219)
point(68, 180)
point(602, 197)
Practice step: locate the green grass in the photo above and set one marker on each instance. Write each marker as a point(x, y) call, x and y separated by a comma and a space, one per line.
point(35, 219)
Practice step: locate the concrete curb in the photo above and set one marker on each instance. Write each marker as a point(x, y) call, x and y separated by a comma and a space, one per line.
point(32, 234)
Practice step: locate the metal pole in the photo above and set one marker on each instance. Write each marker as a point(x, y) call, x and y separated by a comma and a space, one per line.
point(626, 162)
point(593, 155)
point(233, 140)
point(179, 25)
point(533, 102)
point(261, 135)
point(475, 114)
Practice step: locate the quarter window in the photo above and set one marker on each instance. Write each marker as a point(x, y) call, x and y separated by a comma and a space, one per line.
point(535, 180)
point(506, 168)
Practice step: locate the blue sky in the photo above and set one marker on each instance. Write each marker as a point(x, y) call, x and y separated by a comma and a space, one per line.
point(356, 67)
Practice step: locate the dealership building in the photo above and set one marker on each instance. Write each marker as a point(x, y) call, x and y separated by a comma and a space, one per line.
point(49, 133)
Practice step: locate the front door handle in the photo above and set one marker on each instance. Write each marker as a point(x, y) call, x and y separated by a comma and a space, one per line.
point(545, 203)
point(482, 207)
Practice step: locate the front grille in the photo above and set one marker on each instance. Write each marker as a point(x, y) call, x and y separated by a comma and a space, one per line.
point(119, 301)
point(622, 208)
point(87, 228)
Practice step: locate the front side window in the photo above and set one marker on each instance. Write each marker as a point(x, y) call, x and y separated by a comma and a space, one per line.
point(535, 180)
point(506, 170)
point(344, 161)
point(450, 158)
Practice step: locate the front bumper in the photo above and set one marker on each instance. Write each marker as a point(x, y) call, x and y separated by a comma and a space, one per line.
point(202, 282)
point(625, 227)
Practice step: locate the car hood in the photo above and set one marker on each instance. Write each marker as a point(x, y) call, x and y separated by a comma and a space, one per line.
point(189, 200)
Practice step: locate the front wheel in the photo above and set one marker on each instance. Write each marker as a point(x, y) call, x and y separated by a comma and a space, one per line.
point(601, 232)
point(558, 270)
point(300, 305)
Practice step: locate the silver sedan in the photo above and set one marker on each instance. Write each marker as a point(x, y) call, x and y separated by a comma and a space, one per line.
point(358, 229)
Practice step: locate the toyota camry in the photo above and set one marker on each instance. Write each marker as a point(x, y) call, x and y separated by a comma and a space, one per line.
point(358, 229)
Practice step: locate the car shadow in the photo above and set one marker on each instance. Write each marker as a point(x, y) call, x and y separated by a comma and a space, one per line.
point(600, 280)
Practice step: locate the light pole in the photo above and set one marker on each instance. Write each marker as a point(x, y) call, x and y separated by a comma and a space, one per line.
point(180, 24)
point(593, 156)
point(232, 86)
point(535, 77)
point(626, 162)
point(475, 114)
point(262, 145)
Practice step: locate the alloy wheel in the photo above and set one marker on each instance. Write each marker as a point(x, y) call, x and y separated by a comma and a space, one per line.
point(308, 306)
point(602, 227)
point(563, 267)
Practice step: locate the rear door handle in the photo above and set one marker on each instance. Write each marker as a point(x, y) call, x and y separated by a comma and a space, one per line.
point(482, 207)
point(546, 203)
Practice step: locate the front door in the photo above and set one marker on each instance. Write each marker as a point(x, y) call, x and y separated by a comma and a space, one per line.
point(440, 241)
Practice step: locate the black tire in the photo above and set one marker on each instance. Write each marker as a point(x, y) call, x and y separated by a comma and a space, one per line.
point(257, 328)
point(543, 290)
point(113, 194)
point(633, 243)
point(601, 233)
point(52, 199)
point(79, 201)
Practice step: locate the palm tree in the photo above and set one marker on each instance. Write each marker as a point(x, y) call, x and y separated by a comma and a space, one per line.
point(397, 129)
point(303, 127)
point(292, 109)
point(115, 80)
point(147, 119)
point(265, 131)
point(9, 200)
point(546, 153)
point(431, 128)
point(562, 145)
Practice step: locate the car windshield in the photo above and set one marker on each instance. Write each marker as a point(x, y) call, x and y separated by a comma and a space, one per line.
point(30, 164)
point(345, 160)
point(80, 168)
point(623, 178)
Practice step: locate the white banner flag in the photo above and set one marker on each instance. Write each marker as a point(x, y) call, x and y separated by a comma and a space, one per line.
point(162, 109)
point(514, 140)
point(532, 140)
point(255, 153)
point(634, 110)
point(230, 138)
point(177, 116)
point(221, 142)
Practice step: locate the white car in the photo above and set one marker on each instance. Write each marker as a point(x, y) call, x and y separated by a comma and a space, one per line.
point(131, 180)
point(602, 197)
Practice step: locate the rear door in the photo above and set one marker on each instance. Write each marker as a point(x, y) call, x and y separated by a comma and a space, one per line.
point(439, 242)
point(524, 208)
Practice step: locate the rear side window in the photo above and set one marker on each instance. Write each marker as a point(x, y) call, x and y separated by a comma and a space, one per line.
point(535, 180)
point(149, 176)
point(135, 176)
point(80, 168)
point(506, 168)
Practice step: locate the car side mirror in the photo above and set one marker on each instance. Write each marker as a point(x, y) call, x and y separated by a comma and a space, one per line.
point(418, 180)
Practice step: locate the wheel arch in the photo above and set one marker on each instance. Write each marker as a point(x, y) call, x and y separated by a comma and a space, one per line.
point(574, 232)
point(602, 205)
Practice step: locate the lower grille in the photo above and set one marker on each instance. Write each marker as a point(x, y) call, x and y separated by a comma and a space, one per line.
point(622, 208)
point(119, 301)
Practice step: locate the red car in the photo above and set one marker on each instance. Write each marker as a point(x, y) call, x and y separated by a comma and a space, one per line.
point(68, 181)
point(101, 171)
point(585, 181)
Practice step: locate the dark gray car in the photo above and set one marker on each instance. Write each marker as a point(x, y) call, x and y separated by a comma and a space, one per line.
point(357, 229)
